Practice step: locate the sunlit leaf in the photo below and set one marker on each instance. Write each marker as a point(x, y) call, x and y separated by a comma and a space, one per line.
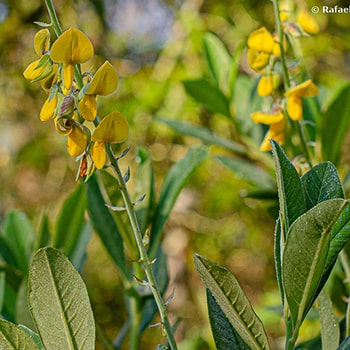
point(305, 255)
point(233, 302)
point(13, 337)
point(59, 302)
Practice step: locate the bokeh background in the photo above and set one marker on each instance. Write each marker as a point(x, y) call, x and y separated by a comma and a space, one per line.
point(155, 45)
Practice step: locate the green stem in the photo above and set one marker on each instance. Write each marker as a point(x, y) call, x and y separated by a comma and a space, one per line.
point(135, 322)
point(144, 259)
point(346, 266)
point(53, 16)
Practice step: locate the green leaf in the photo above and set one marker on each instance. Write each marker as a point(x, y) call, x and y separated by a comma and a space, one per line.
point(59, 302)
point(224, 334)
point(70, 227)
point(208, 95)
point(203, 134)
point(249, 171)
point(13, 337)
point(330, 333)
point(105, 225)
point(335, 124)
point(290, 192)
point(44, 234)
point(218, 59)
point(321, 183)
point(233, 302)
point(174, 182)
point(305, 254)
point(17, 240)
point(35, 337)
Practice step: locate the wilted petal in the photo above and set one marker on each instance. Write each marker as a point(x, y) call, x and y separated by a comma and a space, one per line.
point(73, 46)
point(42, 41)
point(88, 107)
point(76, 142)
point(113, 128)
point(98, 154)
point(48, 109)
point(261, 40)
point(104, 82)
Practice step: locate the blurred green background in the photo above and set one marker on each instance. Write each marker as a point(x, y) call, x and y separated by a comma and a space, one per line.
point(154, 45)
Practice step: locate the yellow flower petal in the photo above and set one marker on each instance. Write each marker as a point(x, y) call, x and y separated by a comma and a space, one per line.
point(64, 126)
point(276, 132)
point(295, 108)
point(39, 69)
point(73, 46)
point(113, 128)
point(265, 85)
point(261, 40)
point(76, 142)
point(258, 60)
point(48, 109)
point(307, 21)
point(104, 82)
point(42, 41)
point(88, 107)
point(305, 89)
point(267, 118)
point(68, 76)
point(98, 154)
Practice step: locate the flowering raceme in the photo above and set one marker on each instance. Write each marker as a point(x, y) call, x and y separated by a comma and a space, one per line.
point(72, 102)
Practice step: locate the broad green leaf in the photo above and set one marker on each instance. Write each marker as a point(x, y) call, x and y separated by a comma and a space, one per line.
point(218, 59)
point(233, 302)
point(174, 182)
point(305, 255)
point(71, 223)
point(105, 225)
point(208, 95)
point(59, 302)
point(224, 334)
point(321, 183)
point(248, 171)
point(340, 235)
point(335, 124)
point(203, 134)
point(330, 333)
point(13, 337)
point(290, 192)
point(17, 240)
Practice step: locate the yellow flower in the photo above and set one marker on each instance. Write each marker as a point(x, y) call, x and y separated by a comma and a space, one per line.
point(42, 41)
point(104, 82)
point(98, 154)
point(77, 141)
point(277, 122)
point(276, 132)
point(72, 47)
point(307, 22)
point(261, 40)
point(266, 85)
point(39, 69)
point(257, 60)
point(294, 98)
point(48, 109)
point(114, 129)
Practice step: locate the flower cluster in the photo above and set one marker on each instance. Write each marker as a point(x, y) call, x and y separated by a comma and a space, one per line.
point(72, 96)
point(264, 57)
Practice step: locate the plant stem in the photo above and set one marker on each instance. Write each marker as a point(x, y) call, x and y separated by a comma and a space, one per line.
point(345, 263)
point(144, 259)
point(53, 16)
